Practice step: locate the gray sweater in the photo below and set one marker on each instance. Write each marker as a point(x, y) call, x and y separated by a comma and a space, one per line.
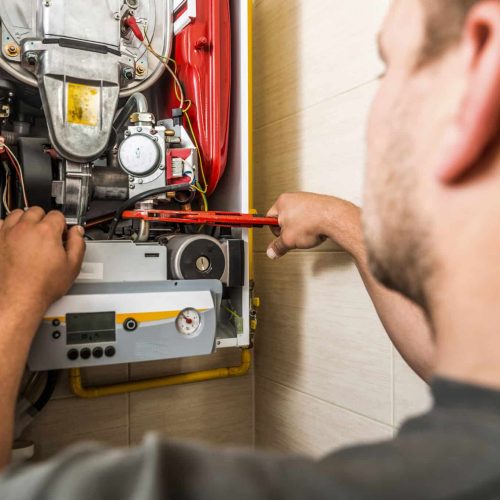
point(451, 452)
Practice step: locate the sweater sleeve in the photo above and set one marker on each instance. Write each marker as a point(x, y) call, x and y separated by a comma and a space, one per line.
point(160, 470)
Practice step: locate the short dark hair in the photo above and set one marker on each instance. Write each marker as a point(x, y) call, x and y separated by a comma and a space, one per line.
point(445, 20)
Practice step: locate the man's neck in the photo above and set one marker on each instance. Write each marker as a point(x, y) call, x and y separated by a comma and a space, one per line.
point(466, 321)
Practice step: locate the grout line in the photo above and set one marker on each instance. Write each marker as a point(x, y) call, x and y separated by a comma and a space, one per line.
point(350, 410)
point(318, 103)
point(295, 252)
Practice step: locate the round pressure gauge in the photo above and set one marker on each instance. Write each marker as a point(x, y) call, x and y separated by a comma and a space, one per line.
point(188, 322)
point(139, 155)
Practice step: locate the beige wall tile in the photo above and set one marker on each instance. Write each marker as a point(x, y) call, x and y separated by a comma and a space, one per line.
point(411, 394)
point(70, 420)
point(102, 375)
point(308, 51)
point(319, 150)
point(291, 421)
point(319, 333)
point(221, 358)
point(216, 412)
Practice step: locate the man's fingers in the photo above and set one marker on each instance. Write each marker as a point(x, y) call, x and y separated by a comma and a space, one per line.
point(33, 214)
point(276, 230)
point(273, 211)
point(75, 248)
point(277, 249)
point(13, 218)
point(56, 220)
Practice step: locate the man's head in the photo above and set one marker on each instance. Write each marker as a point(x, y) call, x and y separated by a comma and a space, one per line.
point(433, 181)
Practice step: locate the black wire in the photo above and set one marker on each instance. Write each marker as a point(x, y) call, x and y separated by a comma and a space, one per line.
point(132, 201)
point(48, 390)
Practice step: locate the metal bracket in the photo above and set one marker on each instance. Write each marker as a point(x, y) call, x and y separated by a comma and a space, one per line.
point(77, 189)
point(186, 17)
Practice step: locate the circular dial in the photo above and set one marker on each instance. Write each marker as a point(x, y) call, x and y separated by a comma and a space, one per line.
point(188, 322)
point(139, 155)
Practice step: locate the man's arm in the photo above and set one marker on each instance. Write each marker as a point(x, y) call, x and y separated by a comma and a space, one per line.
point(36, 268)
point(306, 220)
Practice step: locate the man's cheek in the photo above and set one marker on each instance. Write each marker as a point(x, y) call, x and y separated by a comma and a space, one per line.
point(377, 119)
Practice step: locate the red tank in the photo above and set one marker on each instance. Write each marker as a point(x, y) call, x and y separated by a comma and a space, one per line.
point(202, 51)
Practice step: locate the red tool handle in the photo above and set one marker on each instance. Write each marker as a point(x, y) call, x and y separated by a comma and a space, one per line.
point(221, 219)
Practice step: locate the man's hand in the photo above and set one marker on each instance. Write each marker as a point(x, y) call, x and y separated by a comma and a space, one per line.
point(36, 266)
point(307, 219)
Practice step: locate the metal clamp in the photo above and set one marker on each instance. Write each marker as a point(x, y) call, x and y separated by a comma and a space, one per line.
point(187, 16)
point(77, 189)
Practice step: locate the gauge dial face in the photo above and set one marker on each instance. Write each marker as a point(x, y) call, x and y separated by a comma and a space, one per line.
point(139, 155)
point(188, 322)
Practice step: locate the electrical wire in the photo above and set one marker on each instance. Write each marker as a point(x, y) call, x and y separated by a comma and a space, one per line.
point(19, 172)
point(48, 390)
point(6, 190)
point(232, 312)
point(200, 159)
point(202, 194)
point(179, 93)
point(164, 61)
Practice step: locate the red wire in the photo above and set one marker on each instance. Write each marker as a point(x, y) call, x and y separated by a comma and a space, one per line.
point(19, 175)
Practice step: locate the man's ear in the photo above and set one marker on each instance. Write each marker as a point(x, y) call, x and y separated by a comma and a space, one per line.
point(477, 123)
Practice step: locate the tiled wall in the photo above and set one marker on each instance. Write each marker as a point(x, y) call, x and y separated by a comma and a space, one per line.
point(326, 373)
point(217, 412)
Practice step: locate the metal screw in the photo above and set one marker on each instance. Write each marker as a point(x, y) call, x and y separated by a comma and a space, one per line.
point(46, 3)
point(127, 133)
point(132, 186)
point(131, 178)
point(162, 167)
point(139, 129)
point(31, 58)
point(12, 50)
point(140, 181)
point(128, 73)
point(155, 138)
point(117, 16)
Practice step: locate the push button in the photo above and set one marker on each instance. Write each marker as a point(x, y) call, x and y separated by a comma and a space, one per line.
point(110, 351)
point(130, 324)
point(85, 353)
point(73, 354)
point(97, 352)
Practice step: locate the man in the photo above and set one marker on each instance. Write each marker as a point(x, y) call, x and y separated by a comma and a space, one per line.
point(431, 217)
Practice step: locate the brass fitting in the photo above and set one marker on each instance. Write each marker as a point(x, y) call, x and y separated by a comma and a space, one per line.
point(142, 117)
point(140, 70)
point(12, 50)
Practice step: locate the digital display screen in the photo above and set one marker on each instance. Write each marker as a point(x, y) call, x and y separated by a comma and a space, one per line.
point(90, 328)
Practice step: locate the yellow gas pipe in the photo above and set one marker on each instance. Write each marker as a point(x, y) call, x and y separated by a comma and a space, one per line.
point(77, 388)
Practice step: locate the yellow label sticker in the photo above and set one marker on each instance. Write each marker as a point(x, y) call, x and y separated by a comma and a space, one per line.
point(83, 104)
